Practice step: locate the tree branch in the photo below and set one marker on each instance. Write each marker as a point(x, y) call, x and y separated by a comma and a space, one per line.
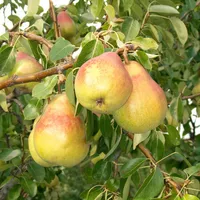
point(34, 77)
point(54, 18)
point(147, 153)
point(32, 36)
point(190, 96)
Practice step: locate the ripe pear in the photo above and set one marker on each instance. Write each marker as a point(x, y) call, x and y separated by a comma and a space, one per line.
point(66, 25)
point(102, 84)
point(59, 136)
point(25, 65)
point(146, 107)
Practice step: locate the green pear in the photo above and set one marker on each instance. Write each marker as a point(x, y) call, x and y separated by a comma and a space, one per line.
point(25, 65)
point(66, 25)
point(102, 84)
point(58, 135)
point(146, 107)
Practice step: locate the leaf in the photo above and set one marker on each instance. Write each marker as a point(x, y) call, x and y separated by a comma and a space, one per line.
point(14, 192)
point(32, 110)
point(191, 171)
point(130, 28)
point(163, 9)
point(144, 59)
point(29, 186)
point(127, 4)
point(69, 87)
point(114, 147)
point(37, 171)
point(61, 49)
point(96, 7)
point(174, 136)
point(32, 7)
point(110, 11)
point(7, 60)
point(189, 197)
point(105, 125)
point(126, 188)
point(91, 49)
point(44, 89)
point(7, 180)
point(9, 154)
point(89, 125)
point(131, 167)
point(39, 24)
point(92, 194)
point(102, 170)
point(138, 138)
point(3, 102)
point(145, 43)
point(180, 29)
point(152, 186)
point(4, 36)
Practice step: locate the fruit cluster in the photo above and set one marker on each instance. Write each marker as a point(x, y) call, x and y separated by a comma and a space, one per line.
point(104, 85)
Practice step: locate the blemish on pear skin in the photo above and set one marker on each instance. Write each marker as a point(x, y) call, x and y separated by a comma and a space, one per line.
point(100, 102)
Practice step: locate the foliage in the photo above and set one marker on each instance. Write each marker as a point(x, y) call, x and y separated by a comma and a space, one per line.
point(166, 34)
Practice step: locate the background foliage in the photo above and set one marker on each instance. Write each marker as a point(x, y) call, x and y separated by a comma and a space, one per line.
point(166, 33)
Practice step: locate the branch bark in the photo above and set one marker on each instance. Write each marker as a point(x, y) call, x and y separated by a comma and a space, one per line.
point(34, 77)
point(147, 154)
point(32, 36)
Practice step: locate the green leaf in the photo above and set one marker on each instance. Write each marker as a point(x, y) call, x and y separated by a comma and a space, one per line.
point(61, 49)
point(92, 194)
point(14, 192)
point(9, 154)
point(91, 49)
point(138, 138)
point(7, 180)
point(37, 171)
point(7, 60)
point(69, 87)
point(145, 43)
point(102, 170)
point(126, 188)
point(174, 136)
point(96, 7)
point(44, 89)
point(191, 171)
point(152, 186)
point(4, 36)
point(33, 109)
point(89, 125)
point(189, 197)
point(131, 167)
point(110, 11)
point(32, 7)
point(105, 125)
point(180, 29)
point(127, 4)
point(3, 102)
point(163, 9)
point(114, 147)
point(39, 24)
point(14, 18)
point(130, 28)
point(29, 186)
point(144, 59)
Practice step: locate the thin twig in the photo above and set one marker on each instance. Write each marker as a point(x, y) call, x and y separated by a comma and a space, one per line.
point(53, 16)
point(190, 96)
point(32, 36)
point(34, 77)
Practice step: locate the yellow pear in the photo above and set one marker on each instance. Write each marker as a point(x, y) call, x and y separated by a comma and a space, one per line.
point(102, 84)
point(58, 135)
point(146, 107)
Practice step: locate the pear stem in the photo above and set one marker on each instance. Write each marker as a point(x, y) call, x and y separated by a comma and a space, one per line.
point(147, 153)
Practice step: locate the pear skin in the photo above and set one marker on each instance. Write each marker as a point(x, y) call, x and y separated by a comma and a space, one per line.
point(66, 25)
point(59, 136)
point(102, 84)
point(147, 105)
point(25, 65)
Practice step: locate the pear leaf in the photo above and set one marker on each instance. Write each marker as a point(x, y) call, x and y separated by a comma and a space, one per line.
point(126, 188)
point(69, 87)
point(96, 7)
point(32, 7)
point(152, 185)
point(138, 138)
point(163, 9)
point(110, 11)
point(9, 154)
point(3, 102)
point(29, 186)
point(14, 192)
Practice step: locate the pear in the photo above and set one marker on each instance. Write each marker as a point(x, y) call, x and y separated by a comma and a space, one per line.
point(59, 136)
point(25, 65)
point(146, 107)
point(102, 84)
point(66, 25)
